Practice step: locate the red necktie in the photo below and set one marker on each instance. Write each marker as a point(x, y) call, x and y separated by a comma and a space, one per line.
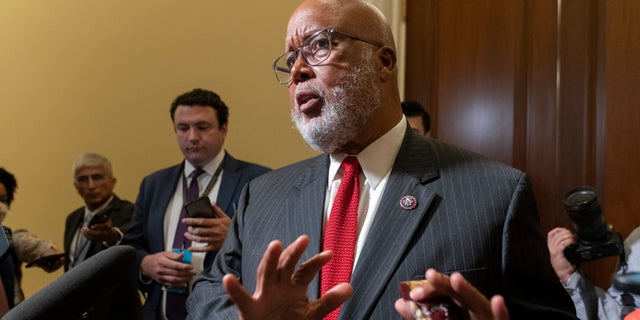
point(341, 230)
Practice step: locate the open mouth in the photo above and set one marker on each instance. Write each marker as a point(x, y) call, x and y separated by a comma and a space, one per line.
point(309, 103)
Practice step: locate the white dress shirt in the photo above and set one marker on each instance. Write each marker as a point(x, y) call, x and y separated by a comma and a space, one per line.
point(376, 161)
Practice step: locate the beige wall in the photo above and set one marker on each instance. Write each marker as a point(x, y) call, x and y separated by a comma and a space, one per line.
point(79, 76)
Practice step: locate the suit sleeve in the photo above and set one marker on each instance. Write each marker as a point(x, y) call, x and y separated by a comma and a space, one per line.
point(531, 285)
point(209, 300)
point(135, 235)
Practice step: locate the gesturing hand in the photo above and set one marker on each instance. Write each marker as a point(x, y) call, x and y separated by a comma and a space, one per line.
point(464, 295)
point(281, 291)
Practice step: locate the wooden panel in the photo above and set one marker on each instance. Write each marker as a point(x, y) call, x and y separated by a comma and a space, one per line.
point(541, 155)
point(420, 76)
point(475, 78)
point(546, 86)
point(622, 136)
point(617, 119)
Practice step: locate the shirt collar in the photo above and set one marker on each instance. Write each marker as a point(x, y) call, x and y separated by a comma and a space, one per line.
point(377, 158)
point(209, 168)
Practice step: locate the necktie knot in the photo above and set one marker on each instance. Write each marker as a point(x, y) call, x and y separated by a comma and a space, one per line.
point(350, 165)
point(196, 173)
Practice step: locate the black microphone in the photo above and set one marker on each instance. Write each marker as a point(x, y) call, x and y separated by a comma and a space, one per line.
point(76, 291)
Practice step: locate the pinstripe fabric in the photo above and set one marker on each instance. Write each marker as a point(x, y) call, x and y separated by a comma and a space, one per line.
point(474, 216)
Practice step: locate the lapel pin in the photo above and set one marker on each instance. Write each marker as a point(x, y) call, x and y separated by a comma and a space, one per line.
point(408, 202)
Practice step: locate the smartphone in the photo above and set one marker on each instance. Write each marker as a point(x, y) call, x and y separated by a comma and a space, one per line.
point(101, 217)
point(629, 282)
point(200, 208)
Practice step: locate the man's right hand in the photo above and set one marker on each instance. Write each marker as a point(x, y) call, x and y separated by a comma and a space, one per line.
point(281, 289)
point(557, 240)
point(165, 268)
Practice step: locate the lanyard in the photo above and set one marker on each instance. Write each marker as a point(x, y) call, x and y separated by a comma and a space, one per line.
point(209, 186)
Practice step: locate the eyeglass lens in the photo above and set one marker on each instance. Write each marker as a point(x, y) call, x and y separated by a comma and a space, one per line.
point(315, 50)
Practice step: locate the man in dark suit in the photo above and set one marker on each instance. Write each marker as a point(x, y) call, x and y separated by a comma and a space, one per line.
point(99, 224)
point(421, 204)
point(200, 121)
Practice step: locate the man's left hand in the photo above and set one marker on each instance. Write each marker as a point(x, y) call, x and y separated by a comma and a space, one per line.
point(211, 231)
point(455, 287)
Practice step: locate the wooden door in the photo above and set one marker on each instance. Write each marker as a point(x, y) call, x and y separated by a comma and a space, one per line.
point(546, 86)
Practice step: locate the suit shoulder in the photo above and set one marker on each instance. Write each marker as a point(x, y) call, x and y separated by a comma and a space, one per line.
point(253, 167)
point(122, 204)
point(75, 212)
point(162, 173)
point(449, 153)
point(292, 170)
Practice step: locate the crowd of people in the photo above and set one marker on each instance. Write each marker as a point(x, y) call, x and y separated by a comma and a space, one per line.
point(333, 236)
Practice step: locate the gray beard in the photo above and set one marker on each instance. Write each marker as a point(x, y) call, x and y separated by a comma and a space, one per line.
point(347, 108)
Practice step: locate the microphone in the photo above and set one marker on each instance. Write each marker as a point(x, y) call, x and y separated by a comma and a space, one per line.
point(76, 291)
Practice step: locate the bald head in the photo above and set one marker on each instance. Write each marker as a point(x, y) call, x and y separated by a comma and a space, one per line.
point(343, 87)
point(353, 16)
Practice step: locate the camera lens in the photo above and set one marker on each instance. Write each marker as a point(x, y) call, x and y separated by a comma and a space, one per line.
point(585, 211)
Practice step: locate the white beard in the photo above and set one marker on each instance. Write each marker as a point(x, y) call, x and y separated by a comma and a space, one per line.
point(346, 109)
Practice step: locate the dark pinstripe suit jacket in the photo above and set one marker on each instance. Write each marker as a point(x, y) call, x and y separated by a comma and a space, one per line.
point(474, 215)
point(146, 233)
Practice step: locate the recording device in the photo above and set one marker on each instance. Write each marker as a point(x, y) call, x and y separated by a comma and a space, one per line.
point(595, 238)
point(79, 289)
point(101, 216)
point(628, 282)
point(200, 208)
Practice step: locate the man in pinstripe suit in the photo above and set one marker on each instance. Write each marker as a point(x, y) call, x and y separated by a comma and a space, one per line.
point(469, 217)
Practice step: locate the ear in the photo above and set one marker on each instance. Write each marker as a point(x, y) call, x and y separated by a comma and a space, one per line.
point(225, 127)
point(387, 57)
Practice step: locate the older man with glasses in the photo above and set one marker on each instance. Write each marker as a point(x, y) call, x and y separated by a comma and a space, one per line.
point(99, 224)
point(335, 236)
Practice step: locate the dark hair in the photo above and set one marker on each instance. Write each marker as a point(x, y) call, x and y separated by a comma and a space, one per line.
point(412, 108)
point(9, 182)
point(202, 97)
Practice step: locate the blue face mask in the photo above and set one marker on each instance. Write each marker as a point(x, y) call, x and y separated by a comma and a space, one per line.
point(4, 209)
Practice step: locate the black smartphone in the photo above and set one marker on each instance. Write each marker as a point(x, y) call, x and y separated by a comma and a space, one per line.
point(200, 208)
point(629, 282)
point(101, 217)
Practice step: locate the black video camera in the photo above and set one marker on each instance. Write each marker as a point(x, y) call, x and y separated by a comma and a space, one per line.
point(595, 238)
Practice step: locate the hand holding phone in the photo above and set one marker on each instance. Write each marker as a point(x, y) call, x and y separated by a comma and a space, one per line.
point(200, 208)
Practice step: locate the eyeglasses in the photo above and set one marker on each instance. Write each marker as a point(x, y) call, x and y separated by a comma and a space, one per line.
point(84, 180)
point(315, 50)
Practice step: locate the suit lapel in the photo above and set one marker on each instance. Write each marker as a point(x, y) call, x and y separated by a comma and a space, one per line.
point(393, 227)
point(165, 189)
point(307, 211)
point(75, 222)
point(230, 179)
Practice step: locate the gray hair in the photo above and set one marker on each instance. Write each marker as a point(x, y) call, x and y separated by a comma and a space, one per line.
point(91, 160)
